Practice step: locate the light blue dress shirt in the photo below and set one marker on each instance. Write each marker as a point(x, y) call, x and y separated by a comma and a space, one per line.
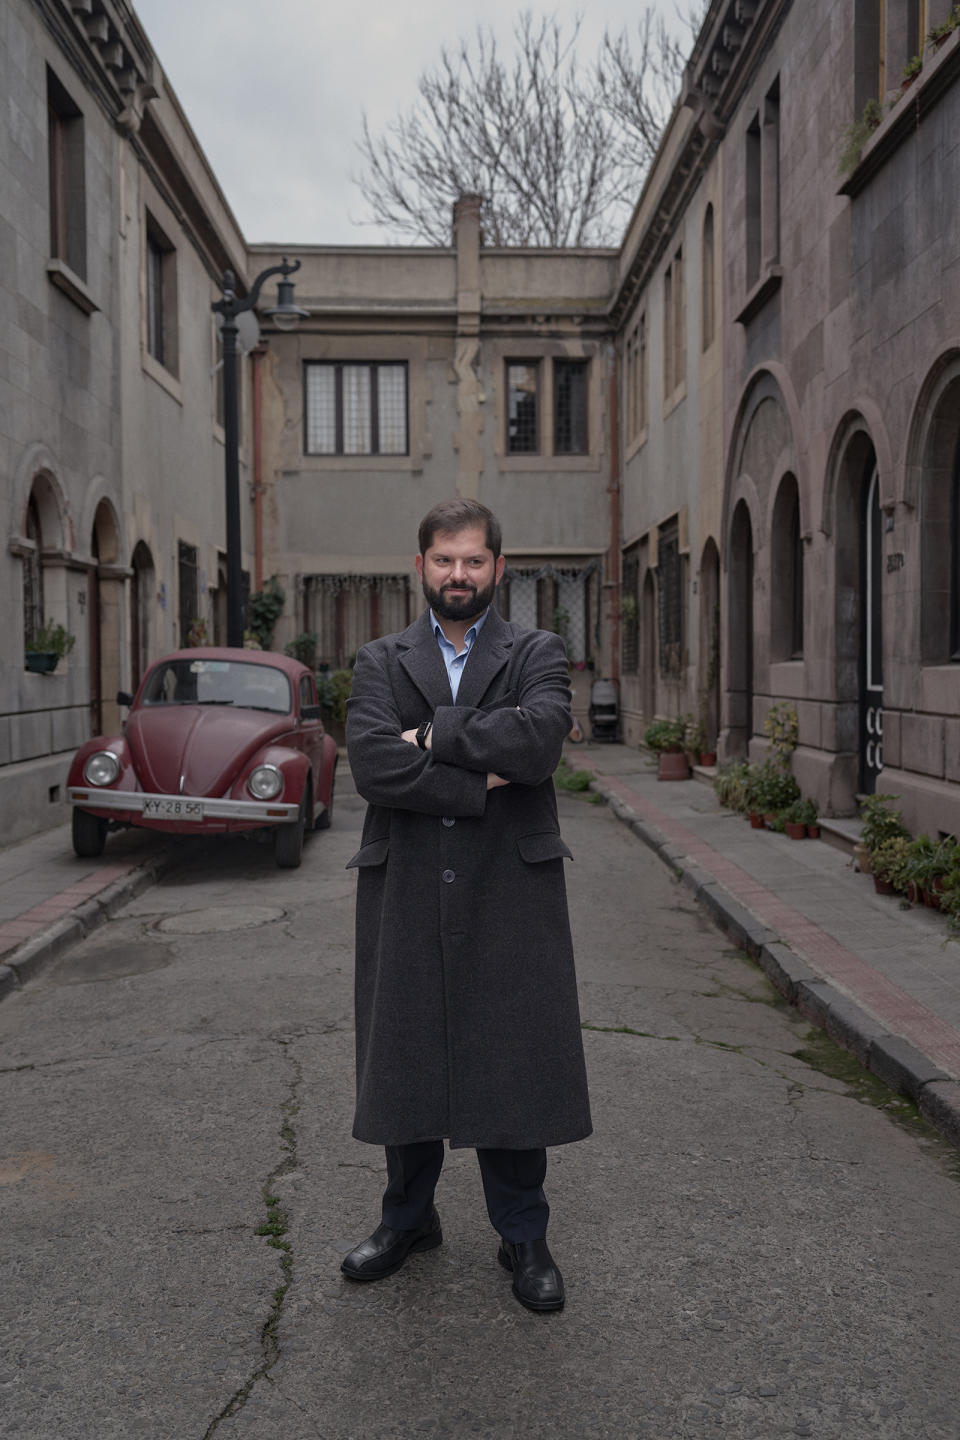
point(451, 659)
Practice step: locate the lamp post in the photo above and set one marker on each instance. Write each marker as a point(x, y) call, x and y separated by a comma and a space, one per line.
point(285, 315)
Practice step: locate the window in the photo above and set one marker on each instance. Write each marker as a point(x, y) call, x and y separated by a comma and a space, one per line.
point(345, 611)
point(636, 407)
point(674, 326)
point(187, 576)
point(161, 297)
point(523, 396)
point(630, 613)
point(869, 70)
point(356, 409)
point(67, 191)
point(763, 188)
point(707, 322)
point(670, 600)
point(563, 385)
point(955, 560)
point(786, 611)
point(33, 612)
point(570, 407)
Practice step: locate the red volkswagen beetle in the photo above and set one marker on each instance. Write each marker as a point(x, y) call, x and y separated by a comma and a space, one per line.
point(216, 741)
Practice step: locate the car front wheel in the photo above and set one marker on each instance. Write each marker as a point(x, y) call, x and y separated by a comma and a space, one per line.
point(288, 839)
point(89, 834)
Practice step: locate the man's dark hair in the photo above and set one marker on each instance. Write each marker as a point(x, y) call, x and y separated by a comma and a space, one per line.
point(460, 513)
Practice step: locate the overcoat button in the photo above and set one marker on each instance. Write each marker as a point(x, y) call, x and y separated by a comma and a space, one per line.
point(449, 820)
point(449, 876)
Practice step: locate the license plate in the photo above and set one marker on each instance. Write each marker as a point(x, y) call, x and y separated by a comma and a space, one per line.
point(173, 809)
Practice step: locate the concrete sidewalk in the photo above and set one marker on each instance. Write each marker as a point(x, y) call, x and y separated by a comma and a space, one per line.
point(880, 979)
point(49, 899)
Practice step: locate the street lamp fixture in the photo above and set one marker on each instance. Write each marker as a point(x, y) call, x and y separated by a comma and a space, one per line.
point(285, 315)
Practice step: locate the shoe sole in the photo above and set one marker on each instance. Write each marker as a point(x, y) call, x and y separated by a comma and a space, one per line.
point(429, 1242)
point(537, 1306)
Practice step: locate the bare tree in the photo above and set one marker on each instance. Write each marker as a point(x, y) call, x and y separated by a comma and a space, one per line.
point(557, 151)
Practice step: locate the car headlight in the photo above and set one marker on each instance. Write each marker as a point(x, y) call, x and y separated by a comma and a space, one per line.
point(265, 782)
point(101, 768)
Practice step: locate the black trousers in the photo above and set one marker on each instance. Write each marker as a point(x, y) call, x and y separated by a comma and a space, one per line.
point(512, 1186)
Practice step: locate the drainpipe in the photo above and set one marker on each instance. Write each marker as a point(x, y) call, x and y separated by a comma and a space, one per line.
point(258, 355)
point(613, 490)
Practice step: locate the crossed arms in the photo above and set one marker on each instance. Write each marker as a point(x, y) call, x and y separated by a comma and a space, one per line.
point(471, 750)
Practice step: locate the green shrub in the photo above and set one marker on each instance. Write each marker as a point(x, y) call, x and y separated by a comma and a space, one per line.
point(54, 639)
point(333, 691)
point(666, 734)
point(881, 822)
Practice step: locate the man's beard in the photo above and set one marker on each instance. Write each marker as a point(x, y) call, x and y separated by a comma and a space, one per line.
point(459, 607)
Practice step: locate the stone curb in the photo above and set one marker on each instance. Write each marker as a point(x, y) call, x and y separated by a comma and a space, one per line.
point(28, 960)
point(893, 1059)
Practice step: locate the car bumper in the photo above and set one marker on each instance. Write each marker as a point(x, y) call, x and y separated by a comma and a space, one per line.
point(166, 807)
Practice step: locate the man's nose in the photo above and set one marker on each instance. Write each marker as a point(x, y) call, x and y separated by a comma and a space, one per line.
point(458, 570)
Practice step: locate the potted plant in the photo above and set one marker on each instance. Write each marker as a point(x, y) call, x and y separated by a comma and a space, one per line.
point(881, 822)
point(333, 691)
point(694, 739)
point(303, 647)
point(795, 819)
point(666, 738)
point(781, 726)
point(890, 863)
point(47, 647)
point(730, 785)
point(910, 72)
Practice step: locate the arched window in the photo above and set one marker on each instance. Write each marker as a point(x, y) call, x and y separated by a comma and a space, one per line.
point(786, 565)
point(32, 575)
point(707, 290)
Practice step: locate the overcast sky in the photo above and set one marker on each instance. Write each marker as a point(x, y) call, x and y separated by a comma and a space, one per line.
point(275, 91)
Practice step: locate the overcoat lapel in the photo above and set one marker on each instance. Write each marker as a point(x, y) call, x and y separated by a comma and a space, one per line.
point(419, 654)
point(490, 652)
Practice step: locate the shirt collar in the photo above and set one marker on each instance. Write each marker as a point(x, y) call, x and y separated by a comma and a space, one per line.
point(470, 636)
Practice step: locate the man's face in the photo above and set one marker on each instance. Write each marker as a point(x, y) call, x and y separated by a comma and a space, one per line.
point(459, 574)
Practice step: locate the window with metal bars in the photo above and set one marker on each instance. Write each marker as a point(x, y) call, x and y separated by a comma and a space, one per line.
point(630, 613)
point(523, 407)
point(345, 611)
point(570, 407)
point(355, 409)
point(32, 577)
point(161, 297)
point(670, 600)
point(188, 588)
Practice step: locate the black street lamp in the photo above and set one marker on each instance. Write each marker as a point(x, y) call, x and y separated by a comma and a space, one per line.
point(285, 315)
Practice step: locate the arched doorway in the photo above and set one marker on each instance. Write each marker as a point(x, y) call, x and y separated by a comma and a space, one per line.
point(105, 580)
point(740, 633)
point(648, 646)
point(141, 609)
point(709, 647)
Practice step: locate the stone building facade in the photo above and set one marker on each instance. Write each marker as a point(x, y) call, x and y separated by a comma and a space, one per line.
point(113, 235)
point(726, 453)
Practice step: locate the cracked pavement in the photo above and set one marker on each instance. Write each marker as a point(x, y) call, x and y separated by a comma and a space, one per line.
point(750, 1248)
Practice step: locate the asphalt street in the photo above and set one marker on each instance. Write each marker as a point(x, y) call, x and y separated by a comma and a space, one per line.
point(757, 1241)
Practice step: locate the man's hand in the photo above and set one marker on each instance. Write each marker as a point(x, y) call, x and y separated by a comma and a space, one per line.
point(494, 780)
point(411, 737)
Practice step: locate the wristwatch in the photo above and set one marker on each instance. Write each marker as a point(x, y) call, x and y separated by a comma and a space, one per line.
point(422, 732)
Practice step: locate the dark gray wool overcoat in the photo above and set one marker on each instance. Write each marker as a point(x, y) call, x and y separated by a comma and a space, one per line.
point(468, 1026)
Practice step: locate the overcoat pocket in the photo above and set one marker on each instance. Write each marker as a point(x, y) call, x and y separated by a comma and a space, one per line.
point(545, 845)
point(373, 853)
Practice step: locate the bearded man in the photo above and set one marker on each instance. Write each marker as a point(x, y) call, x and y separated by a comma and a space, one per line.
point(468, 1027)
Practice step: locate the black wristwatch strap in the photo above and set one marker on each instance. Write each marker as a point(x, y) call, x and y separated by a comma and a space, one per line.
point(422, 732)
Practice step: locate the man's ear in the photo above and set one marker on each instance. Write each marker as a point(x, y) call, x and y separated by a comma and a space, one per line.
point(419, 564)
point(501, 566)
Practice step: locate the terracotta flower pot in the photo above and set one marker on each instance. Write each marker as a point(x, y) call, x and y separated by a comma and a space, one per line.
point(672, 765)
point(757, 821)
point(708, 757)
point(931, 899)
point(883, 887)
point(813, 831)
point(796, 830)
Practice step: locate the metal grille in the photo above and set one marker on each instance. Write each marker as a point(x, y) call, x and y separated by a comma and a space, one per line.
point(355, 409)
point(570, 407)
point(523, 601)
point(630, 614)
point(572, 614)
point(670, 602)
point(522, 408)
point(32, 578)
point(187, 578)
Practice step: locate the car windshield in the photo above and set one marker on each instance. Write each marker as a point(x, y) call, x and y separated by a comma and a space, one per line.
point(218, 682)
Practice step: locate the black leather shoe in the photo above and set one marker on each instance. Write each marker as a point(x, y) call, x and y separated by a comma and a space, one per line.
point(537, 1283)
point(386, 1249)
